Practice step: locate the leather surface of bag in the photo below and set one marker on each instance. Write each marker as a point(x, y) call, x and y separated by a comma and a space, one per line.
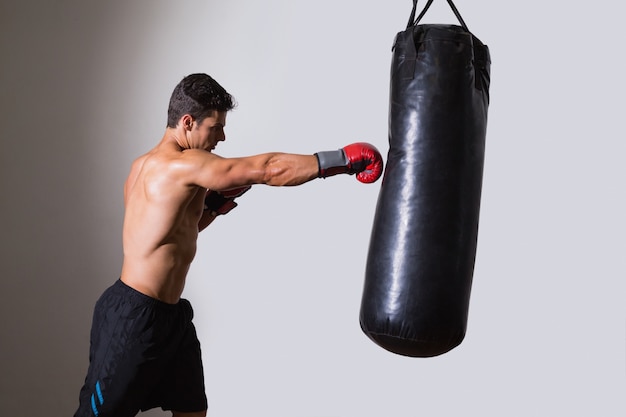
point(422, 250)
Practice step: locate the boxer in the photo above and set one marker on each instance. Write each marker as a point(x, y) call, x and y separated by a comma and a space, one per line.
point(144, 349)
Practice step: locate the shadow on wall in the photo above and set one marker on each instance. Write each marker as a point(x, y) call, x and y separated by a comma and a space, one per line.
point(62, 197)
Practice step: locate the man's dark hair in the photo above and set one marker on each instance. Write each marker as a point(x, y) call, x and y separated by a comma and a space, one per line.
point(197, 95)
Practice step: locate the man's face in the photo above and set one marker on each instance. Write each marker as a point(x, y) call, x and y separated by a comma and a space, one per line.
point(211, 130)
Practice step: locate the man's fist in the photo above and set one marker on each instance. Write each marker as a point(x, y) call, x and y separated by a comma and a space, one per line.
point(221, 202)
point(359, 158)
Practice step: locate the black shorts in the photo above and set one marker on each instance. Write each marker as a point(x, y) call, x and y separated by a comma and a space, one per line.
point(144, 354)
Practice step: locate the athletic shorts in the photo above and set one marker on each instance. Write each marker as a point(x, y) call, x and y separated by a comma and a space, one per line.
point(143, 354)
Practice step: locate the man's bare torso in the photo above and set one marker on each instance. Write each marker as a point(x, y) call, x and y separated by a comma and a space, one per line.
point(160, 224)
point(164, 197)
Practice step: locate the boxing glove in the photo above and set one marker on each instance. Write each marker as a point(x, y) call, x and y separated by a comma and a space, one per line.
point(359, 158)
point(221, 202)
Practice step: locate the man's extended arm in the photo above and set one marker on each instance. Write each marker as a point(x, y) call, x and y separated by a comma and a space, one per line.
point(281, 169)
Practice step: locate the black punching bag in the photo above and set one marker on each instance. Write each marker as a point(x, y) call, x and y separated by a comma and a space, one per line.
point(421, 256)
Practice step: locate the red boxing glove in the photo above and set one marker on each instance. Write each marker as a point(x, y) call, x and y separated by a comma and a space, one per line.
point(221, 202)
point(359, 158)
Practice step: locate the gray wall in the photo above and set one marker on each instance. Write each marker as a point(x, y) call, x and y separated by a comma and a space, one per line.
point(276, 285)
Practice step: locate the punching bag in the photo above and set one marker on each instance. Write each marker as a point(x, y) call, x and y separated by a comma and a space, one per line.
point(422, 249)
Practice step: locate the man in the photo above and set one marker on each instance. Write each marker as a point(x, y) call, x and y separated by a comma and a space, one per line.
point(144, 350)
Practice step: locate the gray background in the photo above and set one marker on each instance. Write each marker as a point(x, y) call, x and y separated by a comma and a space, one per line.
point(276, 285)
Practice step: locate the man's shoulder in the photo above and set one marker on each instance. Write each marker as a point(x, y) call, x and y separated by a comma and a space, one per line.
point(158, 159)
point(170, 168)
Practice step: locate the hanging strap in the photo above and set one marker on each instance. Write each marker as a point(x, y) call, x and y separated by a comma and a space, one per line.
point(413, 21)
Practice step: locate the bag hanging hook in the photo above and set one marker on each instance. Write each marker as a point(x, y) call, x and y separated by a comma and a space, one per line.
point(413, 21)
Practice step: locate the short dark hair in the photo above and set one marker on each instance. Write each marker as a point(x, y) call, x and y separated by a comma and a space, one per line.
point(198, 95)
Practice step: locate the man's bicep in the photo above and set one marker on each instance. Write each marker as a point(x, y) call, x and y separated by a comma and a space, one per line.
point(216, 173)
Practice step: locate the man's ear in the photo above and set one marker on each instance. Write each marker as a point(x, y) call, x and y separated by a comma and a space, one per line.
point(187, 121)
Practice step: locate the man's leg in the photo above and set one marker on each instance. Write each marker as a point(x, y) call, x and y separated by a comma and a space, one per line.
point(183, 386)
point(120, 375)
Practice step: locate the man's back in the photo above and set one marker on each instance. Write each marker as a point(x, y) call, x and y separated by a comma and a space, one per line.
point(160, 224)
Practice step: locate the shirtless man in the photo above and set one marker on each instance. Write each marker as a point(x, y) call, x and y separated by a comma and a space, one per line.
point(144, 350)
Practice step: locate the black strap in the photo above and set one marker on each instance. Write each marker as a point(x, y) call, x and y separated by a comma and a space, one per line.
point(413, 21)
